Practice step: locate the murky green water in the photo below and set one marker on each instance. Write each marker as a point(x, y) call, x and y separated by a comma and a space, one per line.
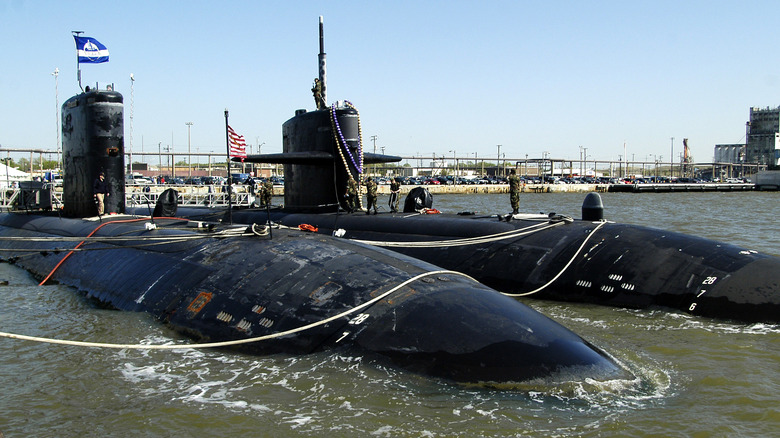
point(695, 376)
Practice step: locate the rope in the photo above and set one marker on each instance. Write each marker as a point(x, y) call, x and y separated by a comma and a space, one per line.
point(525, 294)
point(234, 342)
point(466, 241)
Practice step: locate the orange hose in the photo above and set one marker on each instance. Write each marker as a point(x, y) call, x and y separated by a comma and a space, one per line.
point(90, 235)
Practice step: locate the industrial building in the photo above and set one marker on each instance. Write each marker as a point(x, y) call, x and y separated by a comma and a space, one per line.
point(762, 141)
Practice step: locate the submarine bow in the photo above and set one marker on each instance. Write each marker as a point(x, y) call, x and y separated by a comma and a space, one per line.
point(230, 283)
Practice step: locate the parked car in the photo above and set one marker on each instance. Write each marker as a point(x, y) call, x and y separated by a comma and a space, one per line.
point(134, 180)
point(195, 181)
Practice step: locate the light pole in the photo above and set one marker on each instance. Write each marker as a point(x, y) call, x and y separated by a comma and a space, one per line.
point(132, 103)
point(455, 157)
point(373, 138)
point(671, 161)
point(498, 160)
point(384, 165)
point(189, 149)
point(56, 74)
point(585, 155)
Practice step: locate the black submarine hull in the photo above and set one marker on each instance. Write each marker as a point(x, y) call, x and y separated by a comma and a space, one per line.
point(595, 262)
point(228, 283)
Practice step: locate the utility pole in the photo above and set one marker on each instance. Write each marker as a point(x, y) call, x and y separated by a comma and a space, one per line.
point(498, 160)
point(373, 138)
point(189, 149)
point(56, 73)
point(132, 103)
point(671, 161)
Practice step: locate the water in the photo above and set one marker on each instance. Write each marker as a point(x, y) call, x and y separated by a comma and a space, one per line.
point(695, 376)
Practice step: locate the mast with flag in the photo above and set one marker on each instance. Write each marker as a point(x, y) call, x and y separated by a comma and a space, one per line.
point(88, 51)
point(236, 148)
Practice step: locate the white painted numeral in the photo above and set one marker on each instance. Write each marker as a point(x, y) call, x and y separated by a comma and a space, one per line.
point(710, 280)
point(359, 319)
point(693, 306)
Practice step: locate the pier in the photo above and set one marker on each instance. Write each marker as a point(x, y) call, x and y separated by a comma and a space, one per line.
point(217, 196)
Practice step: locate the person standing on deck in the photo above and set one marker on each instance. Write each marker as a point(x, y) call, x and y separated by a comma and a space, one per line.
point(267, 192)
point(317, 91)
point(352, 191)
point(100, 190)
point(395, 195)
point(514, 191)
point(370, 195)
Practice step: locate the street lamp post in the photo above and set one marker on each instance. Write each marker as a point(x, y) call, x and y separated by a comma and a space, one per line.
point(56, 74)
point(498, 160)
point(373, 139)
point(671, 161)
point(189, 149)
point(455, 158)
point(132, 105)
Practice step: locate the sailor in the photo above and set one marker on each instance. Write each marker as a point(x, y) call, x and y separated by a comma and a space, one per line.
point(370, 195)
point(351, 195)
point(317, 91)
point(267, 192)
point(395, 195)
point(514, 191)
point(100, 190)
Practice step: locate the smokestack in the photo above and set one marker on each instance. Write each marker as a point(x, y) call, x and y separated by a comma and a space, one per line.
point(323, 70)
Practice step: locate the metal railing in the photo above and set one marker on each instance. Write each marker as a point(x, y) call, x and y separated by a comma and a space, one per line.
point(137, 196)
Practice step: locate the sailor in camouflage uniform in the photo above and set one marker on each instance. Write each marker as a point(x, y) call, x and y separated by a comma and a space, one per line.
point(370, 195)
point(267, 192)
point(514, 191)
point(352, 191)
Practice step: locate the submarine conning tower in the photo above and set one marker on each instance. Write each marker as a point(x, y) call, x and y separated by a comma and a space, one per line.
point(316, 176)
point(93, 142)
point(321, 149)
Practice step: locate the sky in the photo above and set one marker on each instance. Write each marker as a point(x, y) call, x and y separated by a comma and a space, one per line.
point(453, 78)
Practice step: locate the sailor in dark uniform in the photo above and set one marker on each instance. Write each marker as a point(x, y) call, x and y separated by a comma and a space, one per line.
point(100, 190)
point(395, 195)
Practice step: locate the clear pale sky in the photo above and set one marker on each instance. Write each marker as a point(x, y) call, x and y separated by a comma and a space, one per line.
point(427, 76)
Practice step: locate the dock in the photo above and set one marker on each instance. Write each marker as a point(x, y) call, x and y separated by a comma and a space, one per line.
point(146, 195)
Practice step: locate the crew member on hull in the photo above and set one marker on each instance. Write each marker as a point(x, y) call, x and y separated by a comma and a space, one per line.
point(317, 91)
point(352, 191)
point(267, 192)
point(370, 195)
point(514, 191)
point(395, 195)
point(100, 189)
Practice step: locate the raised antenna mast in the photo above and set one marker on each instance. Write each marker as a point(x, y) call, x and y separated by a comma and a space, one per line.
point(323, 70)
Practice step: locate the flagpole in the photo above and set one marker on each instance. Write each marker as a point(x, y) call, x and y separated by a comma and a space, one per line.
point(230, 178)
point(78, 65)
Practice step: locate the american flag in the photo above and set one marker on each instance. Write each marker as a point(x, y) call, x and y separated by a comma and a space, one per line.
point(237, 144)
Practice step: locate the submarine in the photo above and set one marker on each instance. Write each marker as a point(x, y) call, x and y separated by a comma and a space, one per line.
point(270, 291)
point(589, 260)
